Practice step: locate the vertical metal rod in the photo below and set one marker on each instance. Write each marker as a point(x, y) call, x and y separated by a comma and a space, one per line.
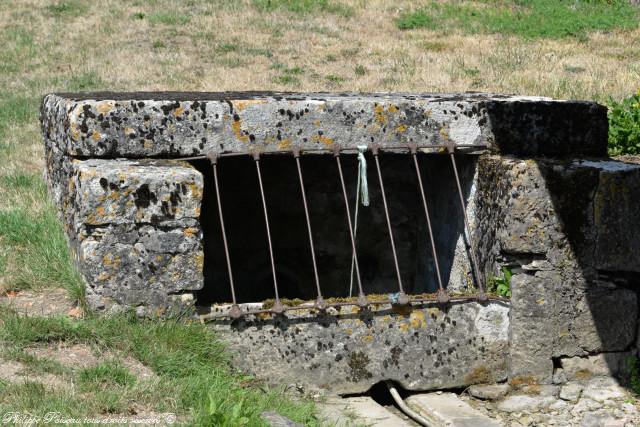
point(277, 306)
point(320, 303)
point(443, 297)
point(362, 299)
point(235, 311)
point(402, 297)
point(451, 149)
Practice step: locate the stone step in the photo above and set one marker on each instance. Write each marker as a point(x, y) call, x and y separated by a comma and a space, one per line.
point(446, 409)
point(358, 411)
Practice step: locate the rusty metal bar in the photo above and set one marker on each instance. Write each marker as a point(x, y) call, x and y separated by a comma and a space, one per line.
point(362, 298)
point(392, 148)
point(320, 303)
point(277, 307)
point(235, 311)
point(443, 296)
point(336, 304)
point(451, 149)
point(402, 297)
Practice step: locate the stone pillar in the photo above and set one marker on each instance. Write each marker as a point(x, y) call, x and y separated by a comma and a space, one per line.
point(136, 233)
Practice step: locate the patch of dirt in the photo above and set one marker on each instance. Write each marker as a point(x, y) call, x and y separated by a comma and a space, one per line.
point(50, 302)
point(18, 373)
point(82, 356)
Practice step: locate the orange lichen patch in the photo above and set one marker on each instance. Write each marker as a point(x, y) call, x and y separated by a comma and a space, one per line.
point(103, 107)
point(522, 380)
point(324, 139)
point(111, 260)
point(379, 114)
point(349, 331)
point(404, 327)
point(480, 375)
point(196, 191)
point(178, 111)
point(392, 109)
point(284, 144)
point(101, 211)
point(316, 122)
point(401, 129)
point(96, 136)
point(237, 130)
point(190, 231)
point(241, 105)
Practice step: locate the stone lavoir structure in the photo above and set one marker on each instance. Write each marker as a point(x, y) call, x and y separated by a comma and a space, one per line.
point(141, 181)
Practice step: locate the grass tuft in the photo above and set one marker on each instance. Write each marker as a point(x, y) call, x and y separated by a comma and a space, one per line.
point(106, 375)
point(305, 6)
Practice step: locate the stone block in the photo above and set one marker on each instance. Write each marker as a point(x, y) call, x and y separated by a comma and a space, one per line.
point(425, 349)
point(136, 230)
point(604, 364)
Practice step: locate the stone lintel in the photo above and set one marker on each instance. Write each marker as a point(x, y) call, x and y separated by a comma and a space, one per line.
point(177, 124)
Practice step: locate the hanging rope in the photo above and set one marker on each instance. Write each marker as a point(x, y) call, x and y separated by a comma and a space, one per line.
point(362, 195)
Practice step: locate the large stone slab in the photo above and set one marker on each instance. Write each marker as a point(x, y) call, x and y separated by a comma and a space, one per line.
point(427, 348)
point(448, 410)
point(185, 124)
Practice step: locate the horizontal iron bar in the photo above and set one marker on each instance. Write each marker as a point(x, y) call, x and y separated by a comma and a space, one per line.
point(388, 148)
point(311, 305)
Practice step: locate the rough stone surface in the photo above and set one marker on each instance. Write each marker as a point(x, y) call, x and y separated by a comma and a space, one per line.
point(184, 124)
point(446, 409)
point(359, 411)
point(541, 217)
point(489, 391)
point(273, 419)
point(425, 349)
point(520, 403)
point(571, 392)
point(604, 364)
point(134, 228)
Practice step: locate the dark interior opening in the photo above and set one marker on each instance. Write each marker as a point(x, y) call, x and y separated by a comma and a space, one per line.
point(246, 232)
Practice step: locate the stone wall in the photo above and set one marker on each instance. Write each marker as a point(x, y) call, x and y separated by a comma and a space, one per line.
point(542, 199)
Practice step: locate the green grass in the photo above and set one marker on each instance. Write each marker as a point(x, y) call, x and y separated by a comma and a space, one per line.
point(194, 377)
point(16, 110)
point(304, 6)
point(525, 18)
point(105, 375)
point(168, 18)
point(40, 256)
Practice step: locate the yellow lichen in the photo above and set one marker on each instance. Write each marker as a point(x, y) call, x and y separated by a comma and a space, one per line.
point(284, 144)
point(103, 107)
point(96, 136)
point(178, 111)
point(237, 130)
